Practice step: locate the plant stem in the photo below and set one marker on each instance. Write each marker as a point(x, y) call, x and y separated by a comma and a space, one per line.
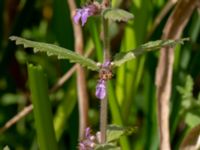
point(104, 102)
point(106, 44)
point(103, 118)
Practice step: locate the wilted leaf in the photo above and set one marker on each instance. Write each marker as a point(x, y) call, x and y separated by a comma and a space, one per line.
point(114, 132)
point(191, 140)
point(117, 15)
point(123, 57)
point(60, 52)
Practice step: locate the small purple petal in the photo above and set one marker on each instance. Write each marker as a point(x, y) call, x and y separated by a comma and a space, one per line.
point(101, 89)
point(87, 132)
point(84, 16)
point(84, 13)
point(106, 64)
point(77, 16)
point(82, 146)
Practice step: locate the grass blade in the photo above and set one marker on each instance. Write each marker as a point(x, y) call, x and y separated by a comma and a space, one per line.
point(42, 108)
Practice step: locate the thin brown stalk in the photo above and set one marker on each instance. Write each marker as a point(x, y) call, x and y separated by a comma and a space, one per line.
point(161, 15)
point(16, 118)
point(172, 30)
point(81, 79)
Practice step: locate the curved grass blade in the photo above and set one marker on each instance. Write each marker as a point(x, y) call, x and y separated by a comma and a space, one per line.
point(123, 57)
point(60, 52)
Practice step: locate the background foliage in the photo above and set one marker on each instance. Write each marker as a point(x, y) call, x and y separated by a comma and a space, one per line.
point(133, 85)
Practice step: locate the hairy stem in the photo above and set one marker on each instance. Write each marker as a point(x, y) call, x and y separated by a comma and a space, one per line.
point(106, 41)
point(104, 102)
point(103, 118)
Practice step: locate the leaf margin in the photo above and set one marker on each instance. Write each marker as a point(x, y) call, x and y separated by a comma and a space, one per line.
point(54, 50)
point(122, 57)
point(117, 14)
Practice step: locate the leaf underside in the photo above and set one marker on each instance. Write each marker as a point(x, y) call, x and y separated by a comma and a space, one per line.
point(55, 50)
point(123, 57)
point(118, 15)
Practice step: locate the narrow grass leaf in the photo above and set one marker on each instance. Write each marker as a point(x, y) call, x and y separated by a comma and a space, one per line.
point(42, 108)
point(116, 115)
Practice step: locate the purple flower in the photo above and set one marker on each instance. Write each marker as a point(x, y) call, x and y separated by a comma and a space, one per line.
point(101, 89)
point(89, 141)
point(87, 132)
point(85, 12)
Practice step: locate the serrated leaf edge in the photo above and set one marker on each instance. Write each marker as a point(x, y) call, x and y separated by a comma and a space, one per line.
point(19, 41)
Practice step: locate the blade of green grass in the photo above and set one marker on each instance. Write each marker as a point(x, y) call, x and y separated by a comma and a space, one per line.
point(64, 111)
point(151, 135)
point(116, 115)
point(42, 108)
point(96, 39)
point(131, 75)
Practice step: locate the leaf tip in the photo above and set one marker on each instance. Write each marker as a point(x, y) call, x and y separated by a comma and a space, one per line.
point(13, 38)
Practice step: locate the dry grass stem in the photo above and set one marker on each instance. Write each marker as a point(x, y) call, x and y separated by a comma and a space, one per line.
point(17, 117)
point(81, 78)
point(161, 15)
point(172, 30)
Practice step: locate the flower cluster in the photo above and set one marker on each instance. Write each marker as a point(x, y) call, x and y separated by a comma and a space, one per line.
point(85, 12)
point(90, 141)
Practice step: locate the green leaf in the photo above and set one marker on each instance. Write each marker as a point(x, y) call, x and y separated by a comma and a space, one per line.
point(117, 15)
point(107, 146)
point(114, 132)
point(60, 52)
point(192, 119)
point(123, 57)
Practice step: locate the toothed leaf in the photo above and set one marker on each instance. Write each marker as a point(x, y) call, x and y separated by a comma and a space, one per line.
point(117, 15)
point(123, 57)
point(114, 132)
point(55, 50)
